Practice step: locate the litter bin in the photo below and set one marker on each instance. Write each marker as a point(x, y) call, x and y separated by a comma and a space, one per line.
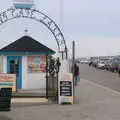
point(5, 99)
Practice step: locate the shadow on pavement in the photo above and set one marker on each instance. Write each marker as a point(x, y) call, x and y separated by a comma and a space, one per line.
point(4, 118)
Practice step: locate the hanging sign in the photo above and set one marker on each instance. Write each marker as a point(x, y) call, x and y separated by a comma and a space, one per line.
point(8, 80)
point(66, 89)
point(23, 4)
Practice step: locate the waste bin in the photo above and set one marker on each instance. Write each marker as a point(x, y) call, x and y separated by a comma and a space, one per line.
point(5, 99)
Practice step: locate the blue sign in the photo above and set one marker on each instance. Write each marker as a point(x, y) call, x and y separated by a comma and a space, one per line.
point(23, 4)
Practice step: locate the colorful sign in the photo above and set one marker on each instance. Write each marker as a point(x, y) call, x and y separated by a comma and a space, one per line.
point(23, 3)
point(1, 64)
point(8, 80)
point(36, 64)
point(66, 89)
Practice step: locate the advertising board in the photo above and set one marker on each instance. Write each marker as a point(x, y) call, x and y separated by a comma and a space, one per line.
point(36, 64)
point(8, 80)
point(66, 89)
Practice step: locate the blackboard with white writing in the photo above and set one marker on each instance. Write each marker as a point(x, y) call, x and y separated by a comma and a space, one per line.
point(65, 88)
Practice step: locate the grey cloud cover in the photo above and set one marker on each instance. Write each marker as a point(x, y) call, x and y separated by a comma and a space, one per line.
point(81, 18)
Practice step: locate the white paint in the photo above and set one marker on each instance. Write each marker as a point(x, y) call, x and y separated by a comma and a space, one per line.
point(29, 100)
point(4, 64)
point(29, 80)
point(1, 63)
point(36, 81)
point(24, 72)
point(64, 66)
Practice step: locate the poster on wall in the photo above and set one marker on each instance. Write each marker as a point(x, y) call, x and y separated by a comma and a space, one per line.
point(8, 80)
point(36, 64)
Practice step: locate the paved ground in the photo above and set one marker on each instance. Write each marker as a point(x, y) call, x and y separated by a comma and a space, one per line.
point(93, 102)
point(96, 99)
point(105, 78)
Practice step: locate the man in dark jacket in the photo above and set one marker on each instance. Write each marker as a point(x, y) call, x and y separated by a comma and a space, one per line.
point(76, 72)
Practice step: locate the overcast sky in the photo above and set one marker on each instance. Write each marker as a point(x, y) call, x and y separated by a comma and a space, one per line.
point(93, 24)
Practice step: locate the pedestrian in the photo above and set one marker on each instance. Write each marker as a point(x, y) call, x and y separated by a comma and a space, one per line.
point(58, 64)
point(119, 72)
point(90, 63)
point(76, 74)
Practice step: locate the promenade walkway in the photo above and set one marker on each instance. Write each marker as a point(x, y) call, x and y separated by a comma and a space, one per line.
point(93, 102)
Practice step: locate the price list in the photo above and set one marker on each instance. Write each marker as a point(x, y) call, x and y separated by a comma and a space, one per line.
point(65, 88)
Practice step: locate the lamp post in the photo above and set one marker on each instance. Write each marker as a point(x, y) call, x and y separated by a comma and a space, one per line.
point(73, 62)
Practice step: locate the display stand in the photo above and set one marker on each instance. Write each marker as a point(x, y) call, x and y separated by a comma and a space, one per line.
point(65, 89)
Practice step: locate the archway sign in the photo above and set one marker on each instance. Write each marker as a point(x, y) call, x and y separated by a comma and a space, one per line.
point(32, 13)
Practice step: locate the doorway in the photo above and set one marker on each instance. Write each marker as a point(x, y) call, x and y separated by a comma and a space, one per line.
point(14, 66)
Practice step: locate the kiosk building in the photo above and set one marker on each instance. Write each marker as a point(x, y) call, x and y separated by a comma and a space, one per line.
point(26, 58)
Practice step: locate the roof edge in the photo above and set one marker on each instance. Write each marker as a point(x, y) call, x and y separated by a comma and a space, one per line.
point(26, 53)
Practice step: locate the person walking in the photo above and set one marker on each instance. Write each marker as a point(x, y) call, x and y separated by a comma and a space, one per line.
point(76, 74)
point(119, 72)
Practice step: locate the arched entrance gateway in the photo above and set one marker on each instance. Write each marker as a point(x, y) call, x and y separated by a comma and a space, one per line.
point(52, 70)
point(15, 13)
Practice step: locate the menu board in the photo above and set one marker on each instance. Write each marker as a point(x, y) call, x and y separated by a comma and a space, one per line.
point(65, 88)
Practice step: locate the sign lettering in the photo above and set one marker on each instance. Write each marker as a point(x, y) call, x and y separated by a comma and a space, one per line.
point(8, 80)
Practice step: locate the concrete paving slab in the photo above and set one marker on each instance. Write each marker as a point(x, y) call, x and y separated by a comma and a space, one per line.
point(4, 118)
point(29, 100)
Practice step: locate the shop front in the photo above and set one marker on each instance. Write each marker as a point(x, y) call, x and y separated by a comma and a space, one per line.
point(27, 59)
